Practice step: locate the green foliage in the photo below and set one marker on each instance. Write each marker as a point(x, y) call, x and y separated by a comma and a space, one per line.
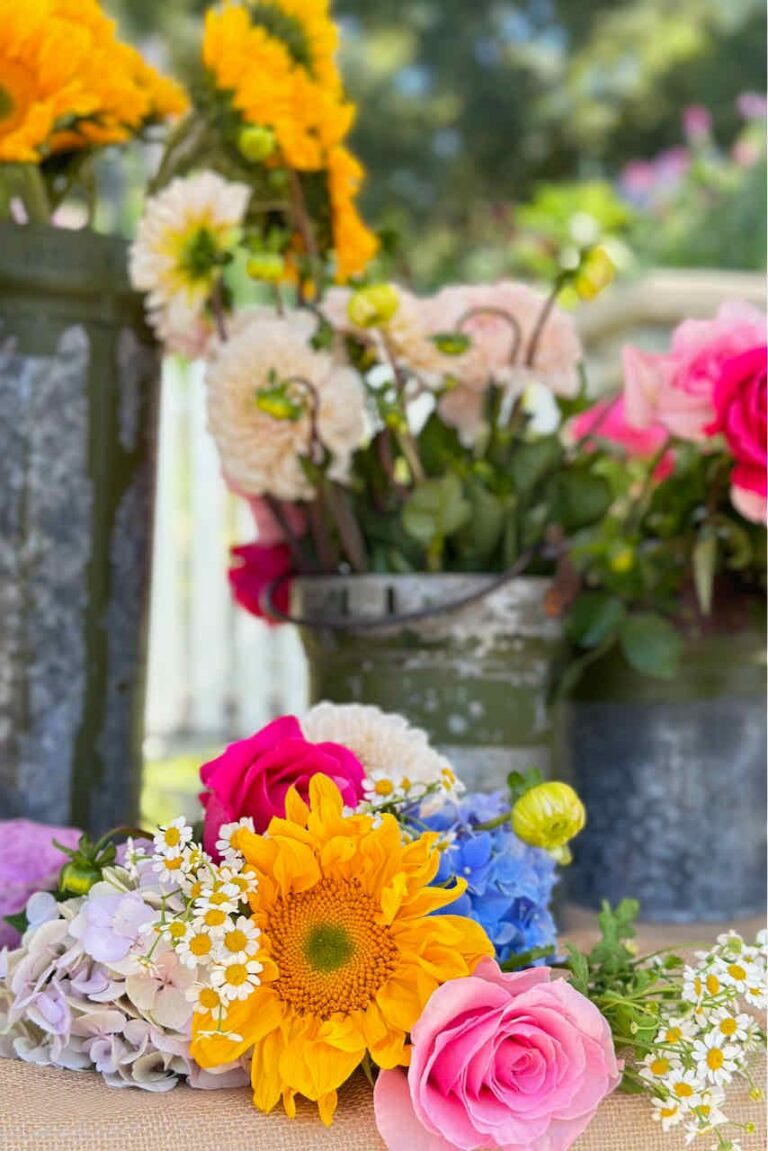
point(651, 645)
point(434, 511)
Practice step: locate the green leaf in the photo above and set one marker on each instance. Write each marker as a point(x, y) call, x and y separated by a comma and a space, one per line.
point(651, 645)
point(578, 965)
point(435, 510)
point(704, 565)
point(594, 617)
point(480, 536)
point(534, 461)
point(439, 446)
point(18, 921)
point(581, 499)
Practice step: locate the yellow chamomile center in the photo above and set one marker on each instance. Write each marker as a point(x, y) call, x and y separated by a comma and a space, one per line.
point(171, 836)
point(214, 917)
point(235, 940)
point(177, 929)
point(683, 1090)
point(208, 998)
point(715, 1059)
point(713, 985)
point(200, 944)
point(332, 954)
point(660, 1066)
point(384, 787)
point(728, 1027)
point(736, 971)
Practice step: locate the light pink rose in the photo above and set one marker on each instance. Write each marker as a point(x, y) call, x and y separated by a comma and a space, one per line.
point(253, 776)
point(515, 1062)
point(739, 399)
point(607, 420)
point(676, 388)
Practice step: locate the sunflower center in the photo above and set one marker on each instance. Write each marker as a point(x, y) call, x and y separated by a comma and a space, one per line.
point(332, 953)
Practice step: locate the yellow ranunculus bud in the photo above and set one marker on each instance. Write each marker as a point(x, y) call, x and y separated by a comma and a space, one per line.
point(374, 306)
point(622, 560)
point(548, 816)
point(267, 266)
point(256, 143)
point(594, 273)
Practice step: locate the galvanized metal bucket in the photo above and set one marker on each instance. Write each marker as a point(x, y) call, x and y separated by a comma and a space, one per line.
point(78, 390)
point(475, 678)
point(673, 779)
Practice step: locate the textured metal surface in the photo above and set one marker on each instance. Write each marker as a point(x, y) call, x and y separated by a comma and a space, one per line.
point(476, 679)
point(77, 421)
point(676, 796)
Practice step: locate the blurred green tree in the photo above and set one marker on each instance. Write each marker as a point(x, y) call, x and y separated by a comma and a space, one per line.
point(464, 108)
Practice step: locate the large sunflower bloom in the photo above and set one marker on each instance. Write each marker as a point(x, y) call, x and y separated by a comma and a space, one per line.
point(350, 948)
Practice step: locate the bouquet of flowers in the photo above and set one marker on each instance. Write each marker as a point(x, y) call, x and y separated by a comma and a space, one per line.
point(347, 906)
point(684, 449)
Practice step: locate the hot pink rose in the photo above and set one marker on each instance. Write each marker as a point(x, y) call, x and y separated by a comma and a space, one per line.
point(676, 388)
point(514, 1062)
point(739, 400)
point(252, 777)
point(607, 420)
point(256, 567)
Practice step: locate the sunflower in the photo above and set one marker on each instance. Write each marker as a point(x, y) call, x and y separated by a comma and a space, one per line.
point(66, 82)
point(41, 61)
point(354, 243)
point(350, 951)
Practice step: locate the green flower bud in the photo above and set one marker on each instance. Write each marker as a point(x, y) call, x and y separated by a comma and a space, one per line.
point(549, 816)
point(256, 143)
point(275, 401)
point(452, 343)
point(267, 266)
point(78, 877)
point(595, 272)
point(374, 306)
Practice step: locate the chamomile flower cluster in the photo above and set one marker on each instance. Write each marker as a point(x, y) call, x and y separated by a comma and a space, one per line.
point(700, 1050)
point(205, 918)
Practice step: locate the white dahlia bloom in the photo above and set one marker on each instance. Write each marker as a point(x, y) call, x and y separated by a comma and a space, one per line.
point(187, 230)
point(261, 453)
point(398, 759)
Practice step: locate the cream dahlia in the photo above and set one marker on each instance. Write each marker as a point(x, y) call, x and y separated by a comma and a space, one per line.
point(398, 759)
point(185, 236)
point(261, 446)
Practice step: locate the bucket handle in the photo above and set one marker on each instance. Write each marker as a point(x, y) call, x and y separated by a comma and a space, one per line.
point(345, 624)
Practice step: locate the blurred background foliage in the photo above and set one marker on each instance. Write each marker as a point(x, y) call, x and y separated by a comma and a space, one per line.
point(498, 135)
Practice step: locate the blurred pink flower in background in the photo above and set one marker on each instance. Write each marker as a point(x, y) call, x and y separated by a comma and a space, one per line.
point(268, 530)
point(254, 568)
point(752, 105)
point(739, 400)
point(697, 123)
point(676, 388)
point(28, 863)
point(607, 420)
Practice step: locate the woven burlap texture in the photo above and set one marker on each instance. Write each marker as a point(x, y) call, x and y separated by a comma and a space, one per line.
point(42, 1109)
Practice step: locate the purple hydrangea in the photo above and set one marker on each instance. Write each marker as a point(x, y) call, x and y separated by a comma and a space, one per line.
point(28, 862)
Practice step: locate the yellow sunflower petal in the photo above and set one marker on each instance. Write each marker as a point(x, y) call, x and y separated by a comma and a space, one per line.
point(296, 809)
point(326, 1105)
point(266, 1080)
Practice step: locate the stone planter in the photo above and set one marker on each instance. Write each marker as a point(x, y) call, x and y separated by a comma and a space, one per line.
point(78, 391)
point(673, 779)
point(476, 679)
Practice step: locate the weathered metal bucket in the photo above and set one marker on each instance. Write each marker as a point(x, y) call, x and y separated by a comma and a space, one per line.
point(475, 677)
point(78, 390)
point(673, 779)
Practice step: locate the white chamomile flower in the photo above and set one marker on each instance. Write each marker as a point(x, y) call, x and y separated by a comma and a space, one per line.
point(383, 787)
point(204, 998)
point(215, 919)
point(197, 946)
point(171, 866)
point(241, 883)
point(239, 942)
point(173, 837)
point(756, 995)
point(225, 901)
point(700, 984)
point(659, 1066)
point(737, 972)
point(675, 1032)
point(731, 1027)
point(685, 1087)
point(668, 1112)
point(716, 1059)
point(224, 845)
point(174, 930)
point(235, 979)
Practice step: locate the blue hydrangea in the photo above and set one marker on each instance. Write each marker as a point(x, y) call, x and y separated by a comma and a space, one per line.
point(509, 884)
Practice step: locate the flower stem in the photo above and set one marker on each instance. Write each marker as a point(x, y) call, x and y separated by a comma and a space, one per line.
point(541, 322)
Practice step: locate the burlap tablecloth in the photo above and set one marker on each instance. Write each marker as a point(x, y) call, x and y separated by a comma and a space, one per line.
point(42, 1109)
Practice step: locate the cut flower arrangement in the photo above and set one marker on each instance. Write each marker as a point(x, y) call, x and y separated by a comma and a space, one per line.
point(348, 907)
